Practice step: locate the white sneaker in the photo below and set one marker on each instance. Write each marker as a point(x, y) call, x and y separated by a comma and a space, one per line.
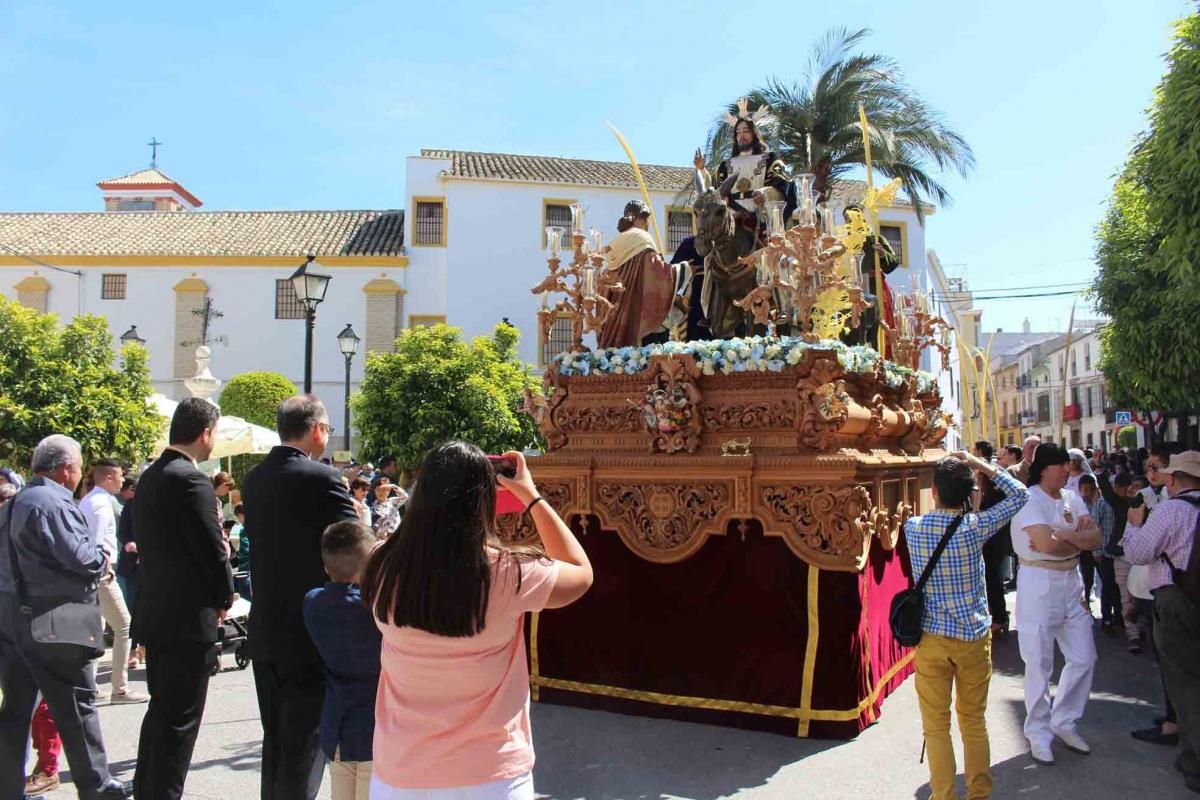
point(129, 696)
point(1073, 741)
point(1041, 753)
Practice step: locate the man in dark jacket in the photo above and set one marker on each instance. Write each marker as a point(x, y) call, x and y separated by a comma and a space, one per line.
point(48, 559)
point(290, 499)
point(185, 587)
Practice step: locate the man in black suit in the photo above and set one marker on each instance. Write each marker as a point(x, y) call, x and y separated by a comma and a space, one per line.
point(289, 500)
point(185, 588)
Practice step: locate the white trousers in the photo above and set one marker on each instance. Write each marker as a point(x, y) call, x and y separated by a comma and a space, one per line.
point(1049, 611)
point(115, 613)
point(520, 788)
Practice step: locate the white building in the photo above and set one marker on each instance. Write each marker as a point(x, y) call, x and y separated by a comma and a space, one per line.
point(151, 260)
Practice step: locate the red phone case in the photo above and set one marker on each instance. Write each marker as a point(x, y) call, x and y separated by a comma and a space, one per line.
point(507, 502)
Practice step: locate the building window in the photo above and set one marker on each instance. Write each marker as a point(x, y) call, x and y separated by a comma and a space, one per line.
point(1087, 356)
point(562, 336)
point(680, 225)
point(287, 304)
point(429, 222)
point(135, 205)
point(558, 214)
point(112, 286)
point(895, 237)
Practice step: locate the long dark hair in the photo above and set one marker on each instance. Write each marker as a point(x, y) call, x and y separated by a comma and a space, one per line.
point(434, 573)
point(757, 147)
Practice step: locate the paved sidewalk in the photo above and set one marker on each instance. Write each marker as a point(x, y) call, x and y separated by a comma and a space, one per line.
point(596, 755)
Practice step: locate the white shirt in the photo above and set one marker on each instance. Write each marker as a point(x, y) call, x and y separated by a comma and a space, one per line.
point(1062, 514)
point(97, 508)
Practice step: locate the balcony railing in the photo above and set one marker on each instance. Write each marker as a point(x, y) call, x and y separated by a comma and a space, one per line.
point(1073, 412)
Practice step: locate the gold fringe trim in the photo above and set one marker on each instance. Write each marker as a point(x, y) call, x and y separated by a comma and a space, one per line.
point(810, 649)
point(534, 677)
point(686, 701)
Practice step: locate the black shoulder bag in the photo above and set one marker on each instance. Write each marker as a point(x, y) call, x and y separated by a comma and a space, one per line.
point(908, 607)
point(54, 622)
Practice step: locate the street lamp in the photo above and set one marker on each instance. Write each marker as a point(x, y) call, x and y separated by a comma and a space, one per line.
point(348, 343)
point(131, 336)
point(310, 291)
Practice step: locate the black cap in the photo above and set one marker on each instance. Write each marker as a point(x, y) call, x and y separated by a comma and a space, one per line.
point(1047, 455)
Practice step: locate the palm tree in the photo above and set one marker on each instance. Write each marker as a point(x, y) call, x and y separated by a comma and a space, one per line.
point(817, 126)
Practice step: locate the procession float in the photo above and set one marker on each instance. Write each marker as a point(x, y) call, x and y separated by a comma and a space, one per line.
point(741, 497)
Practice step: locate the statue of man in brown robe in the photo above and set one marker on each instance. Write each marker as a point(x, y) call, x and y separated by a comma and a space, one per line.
point(648, 280)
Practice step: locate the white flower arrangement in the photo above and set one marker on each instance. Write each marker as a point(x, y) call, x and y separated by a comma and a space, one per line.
point(726, 356)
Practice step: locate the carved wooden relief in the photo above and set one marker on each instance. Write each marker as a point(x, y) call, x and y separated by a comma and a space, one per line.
point(663, 522)
point(671, 404)
point(825, 526)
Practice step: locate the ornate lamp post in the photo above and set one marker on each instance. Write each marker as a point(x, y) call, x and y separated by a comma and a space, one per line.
point(348, 343)
point(310, 289)
point(131, 336)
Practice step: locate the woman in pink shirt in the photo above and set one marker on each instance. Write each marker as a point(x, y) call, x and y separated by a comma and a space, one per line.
point(452, 713)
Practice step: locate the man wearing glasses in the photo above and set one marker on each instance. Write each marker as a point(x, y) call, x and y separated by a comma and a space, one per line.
point(289, 500)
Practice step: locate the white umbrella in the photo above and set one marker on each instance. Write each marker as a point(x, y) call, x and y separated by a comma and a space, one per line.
point(235, 436)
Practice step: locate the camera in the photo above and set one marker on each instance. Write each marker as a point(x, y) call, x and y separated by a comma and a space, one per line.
point(504, 466)
point(1137, 501)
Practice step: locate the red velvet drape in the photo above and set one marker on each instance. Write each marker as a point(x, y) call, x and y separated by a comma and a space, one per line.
point(729, 623)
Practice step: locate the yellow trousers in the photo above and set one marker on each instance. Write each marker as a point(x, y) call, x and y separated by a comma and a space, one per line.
point(943, 664)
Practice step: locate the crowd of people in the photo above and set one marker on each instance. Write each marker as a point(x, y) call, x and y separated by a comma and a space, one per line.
point(369, 586)
point(1063, 527)
point(366, 595)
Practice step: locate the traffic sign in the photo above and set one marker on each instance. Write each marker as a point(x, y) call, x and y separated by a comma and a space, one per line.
point(1123, 417)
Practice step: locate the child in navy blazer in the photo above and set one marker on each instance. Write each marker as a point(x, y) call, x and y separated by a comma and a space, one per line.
point(345, 635)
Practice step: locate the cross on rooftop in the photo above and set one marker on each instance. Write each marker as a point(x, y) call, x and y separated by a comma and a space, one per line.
point(154, 144)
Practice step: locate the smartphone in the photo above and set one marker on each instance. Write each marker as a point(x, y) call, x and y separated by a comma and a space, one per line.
point(504, 466)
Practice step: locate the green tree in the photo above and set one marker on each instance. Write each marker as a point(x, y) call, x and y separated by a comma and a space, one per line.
point(1127, 437)
point(437, 387)
point(254, 396)
point(1172, 156)
point(818, 129)
point(1146, 252)
point(63, 380)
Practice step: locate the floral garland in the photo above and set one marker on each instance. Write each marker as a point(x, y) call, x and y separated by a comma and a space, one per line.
point(726, 356)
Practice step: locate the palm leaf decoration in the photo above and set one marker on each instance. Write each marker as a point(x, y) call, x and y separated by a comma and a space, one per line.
point(817, 127)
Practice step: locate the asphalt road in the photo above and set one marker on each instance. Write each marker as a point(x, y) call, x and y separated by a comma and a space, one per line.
point(597, 755)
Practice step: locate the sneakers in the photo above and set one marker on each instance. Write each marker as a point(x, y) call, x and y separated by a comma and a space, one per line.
point(1073, 741)
point(38, 784)
point(1041, 753)
point(129, 696)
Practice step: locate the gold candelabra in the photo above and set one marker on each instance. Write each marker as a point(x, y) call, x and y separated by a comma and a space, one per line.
point(798, 265)
point(586, 282)
point(917, 328)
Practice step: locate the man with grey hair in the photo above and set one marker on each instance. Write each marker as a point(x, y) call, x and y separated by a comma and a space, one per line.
point(289, 500)
point(49, 569)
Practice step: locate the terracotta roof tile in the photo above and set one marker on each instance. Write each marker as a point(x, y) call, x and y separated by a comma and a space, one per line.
point(141, 177)
point(551, 169)
point(204, 233)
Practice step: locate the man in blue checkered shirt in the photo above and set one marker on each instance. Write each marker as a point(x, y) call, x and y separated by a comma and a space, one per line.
point(956, 644)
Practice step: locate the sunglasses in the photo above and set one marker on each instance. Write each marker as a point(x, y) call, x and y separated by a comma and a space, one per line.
point(326, 427)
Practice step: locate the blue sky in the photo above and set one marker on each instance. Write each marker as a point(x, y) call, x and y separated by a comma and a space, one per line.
point(316, 105)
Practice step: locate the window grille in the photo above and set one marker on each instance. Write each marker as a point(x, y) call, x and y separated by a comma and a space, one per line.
point(562, 336)
point(895, 237)
point(287, 304)
point(679, 227)
point(135, 205)
point(112, 286)
point(560, 216)
point(430, 228)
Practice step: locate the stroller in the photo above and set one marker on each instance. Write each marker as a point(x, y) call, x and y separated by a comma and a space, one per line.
point(232, 634)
